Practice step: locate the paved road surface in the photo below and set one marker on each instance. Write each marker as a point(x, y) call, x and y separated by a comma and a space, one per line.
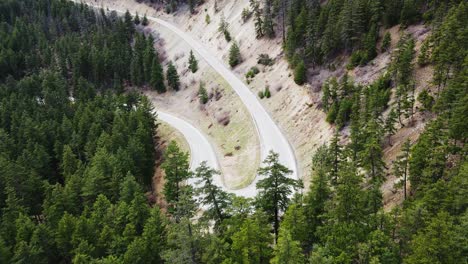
point(200, 149)
point(270, 135)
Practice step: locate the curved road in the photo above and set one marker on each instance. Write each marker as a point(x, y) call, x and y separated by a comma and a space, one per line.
point(270, 135)
point(200, 150)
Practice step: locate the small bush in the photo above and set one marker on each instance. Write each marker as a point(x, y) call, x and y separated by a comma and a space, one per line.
point(261, 95)
point(207, 19)
point(252, 72)
point(264, 59)
point(202, 94)
point(246, 14)
point(267, 92)
point(227, 35)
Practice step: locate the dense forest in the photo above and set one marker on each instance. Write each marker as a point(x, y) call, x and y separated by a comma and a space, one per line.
point(77, 148)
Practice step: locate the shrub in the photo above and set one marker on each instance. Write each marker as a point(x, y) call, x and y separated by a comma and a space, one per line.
point(267, 92)
point(264, 59)
point(207, 19)
point(426, 100)
point(227, 35)
point(387, 40)
point(252, 72)
point(246, 14)
point(202, 94)
point(260, 94)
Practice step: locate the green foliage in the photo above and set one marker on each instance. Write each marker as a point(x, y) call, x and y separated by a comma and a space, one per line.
point(287, 250)
point(251, 242)
point(157, 76)
point(275, 189)
point(424, 53)
point(268, 24)
point(211, 195)
point(246, 14)
point(258, 20)
point(267, 92)
point(224, 28)
point(145, 21)
point(137, 20)
point(193, 63)
point(234, 55)
point(207, 19)
point(202, 94)
point(261, 95)
point(264, 59)
point(426, 100)
point(386, 42)
point(172, 77)
point(176, 170)
point(252, 72)
point(300, 74)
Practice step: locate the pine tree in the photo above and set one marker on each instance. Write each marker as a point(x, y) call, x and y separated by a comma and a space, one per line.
point(145, 21)
point(287, 250)
point(211, 195)
point(274, 189)
point(389, 126)
point(234, 55)
point(400, 166)
point(300, 76)
point(255, 7)
point(315, 201)
point(387, 40)
point(251, 243)
point(157, 76)
point(137, 19)
point(424, 53)
point(148, 57)
point(202, 94)
point(176, 168)
point(268, 27)
point(172, 77)
point(193, 63)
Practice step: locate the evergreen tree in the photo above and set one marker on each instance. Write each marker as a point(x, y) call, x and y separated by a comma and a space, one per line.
point(172, 77)
point(316, 199)
point(234, 55)
point(157, 76)
point(268, 27)
point(400, 166)
point(251, 243)
point(202, 94)
point(300, 72)
point(210, 194)
point(275, 189)
point(193, 63)
point(439, 242)
point(386, 42)
point(176, 169)
point(287, 250)
point(137, 20)
point(255, 7)
point(145, 21)
point(389, 126)
point(424, 53)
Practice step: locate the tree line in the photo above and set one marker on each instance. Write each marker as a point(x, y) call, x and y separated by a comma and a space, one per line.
point(77, 155)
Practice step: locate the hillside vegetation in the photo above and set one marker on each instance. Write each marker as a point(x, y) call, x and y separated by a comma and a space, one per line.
point(77, 151)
